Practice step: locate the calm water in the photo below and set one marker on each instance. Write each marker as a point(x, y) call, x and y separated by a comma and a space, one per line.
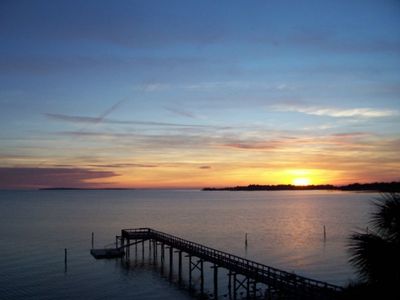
point(285, 230)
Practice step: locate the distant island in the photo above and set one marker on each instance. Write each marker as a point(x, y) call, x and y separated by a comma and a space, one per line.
point(376, 186)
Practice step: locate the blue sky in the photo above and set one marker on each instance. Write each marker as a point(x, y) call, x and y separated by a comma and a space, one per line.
point(186, 93)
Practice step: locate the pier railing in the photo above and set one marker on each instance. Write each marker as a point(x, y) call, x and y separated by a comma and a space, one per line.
point(277, 279)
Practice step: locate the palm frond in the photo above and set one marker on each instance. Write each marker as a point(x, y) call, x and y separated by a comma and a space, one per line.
point(386, 219)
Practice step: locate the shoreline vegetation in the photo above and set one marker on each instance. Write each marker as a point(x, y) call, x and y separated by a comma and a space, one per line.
point(84, 189)
point(390, 187)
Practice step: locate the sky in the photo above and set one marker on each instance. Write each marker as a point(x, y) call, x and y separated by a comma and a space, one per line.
point(190, 94)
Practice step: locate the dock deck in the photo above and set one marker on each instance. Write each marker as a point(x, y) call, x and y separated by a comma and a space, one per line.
point(107, 253)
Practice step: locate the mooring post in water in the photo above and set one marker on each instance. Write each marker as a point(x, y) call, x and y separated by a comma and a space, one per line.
point(245, 240)
point(324, 233)
point(65, 256)
point(92, 240)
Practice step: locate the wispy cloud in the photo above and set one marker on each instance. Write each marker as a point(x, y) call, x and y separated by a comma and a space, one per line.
point(181, 112)
point(95, 120)
point(124, 165)
point(336, 112)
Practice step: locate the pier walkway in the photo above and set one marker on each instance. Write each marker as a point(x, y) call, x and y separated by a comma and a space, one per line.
point(243, 273)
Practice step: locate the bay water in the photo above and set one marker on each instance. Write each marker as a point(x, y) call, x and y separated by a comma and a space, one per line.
point(284, 228)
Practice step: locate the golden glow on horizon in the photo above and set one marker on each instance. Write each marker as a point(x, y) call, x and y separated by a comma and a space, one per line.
point(301, 181)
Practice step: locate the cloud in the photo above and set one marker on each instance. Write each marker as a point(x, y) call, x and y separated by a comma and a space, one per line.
point(205, 167)
point(102, 119)
point(21, 177)
point(253, 145)
point(337, 112)
point(124, 165)
point(181, 112)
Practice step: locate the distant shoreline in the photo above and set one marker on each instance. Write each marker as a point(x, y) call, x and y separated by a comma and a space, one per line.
point(84, 189)
point(393, 187)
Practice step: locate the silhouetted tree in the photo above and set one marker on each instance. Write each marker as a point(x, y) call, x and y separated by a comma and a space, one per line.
point(376, 253)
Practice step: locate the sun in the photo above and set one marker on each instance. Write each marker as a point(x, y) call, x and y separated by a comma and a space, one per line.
point(301, 181)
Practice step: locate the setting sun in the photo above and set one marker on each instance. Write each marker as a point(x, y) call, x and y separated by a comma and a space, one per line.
point(301, 181)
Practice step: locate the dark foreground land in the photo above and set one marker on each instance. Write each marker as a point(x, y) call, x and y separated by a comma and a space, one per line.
point(391, 187)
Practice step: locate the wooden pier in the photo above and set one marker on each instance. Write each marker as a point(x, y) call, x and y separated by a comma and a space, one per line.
point(243, 274)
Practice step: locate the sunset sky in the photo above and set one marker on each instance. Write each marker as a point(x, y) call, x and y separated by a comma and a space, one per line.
point(187, 94)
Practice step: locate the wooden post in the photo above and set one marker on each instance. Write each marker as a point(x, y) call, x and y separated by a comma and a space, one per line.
point(255, 289)
point(248, 288)
point(190, 272)
point(215, 281)
point(230, 284)
point(128, 248)
point(324, 233)
point(180, 267)
point(245, 241)
point(155, 250)
point(65, 256)
point(234, 286)
point(171, 260)
point(162, 258)
point(162, 253)
point(149, 248)
point(201, 278)
point(92, 240)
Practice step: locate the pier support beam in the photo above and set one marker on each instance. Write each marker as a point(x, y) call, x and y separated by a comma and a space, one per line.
point(171, 261)
point(162, 257)
point(162, 253)
point(196, 265)
point(230, 284)
point(180, 267)
point(155, 251)
point(215, 267)
point(136, 250)
point(234, 286)
point(201, 277)
point(149, 249)
point(128, 249)
point(190, 273)
point(254, 289)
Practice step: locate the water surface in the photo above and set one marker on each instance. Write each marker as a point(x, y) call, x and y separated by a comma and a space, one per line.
point(285, 230)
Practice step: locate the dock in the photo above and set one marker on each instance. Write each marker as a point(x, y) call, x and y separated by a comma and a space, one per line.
point(107, 253)
point(243, 274)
